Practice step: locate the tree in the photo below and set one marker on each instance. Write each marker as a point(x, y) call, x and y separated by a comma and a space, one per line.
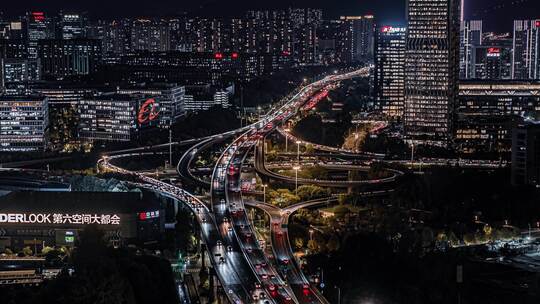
point(310, 192)
point(27, 251)
point(469, 238)
point(313, 246)
point(46, 250)
point(333, 244)
point(299, 243)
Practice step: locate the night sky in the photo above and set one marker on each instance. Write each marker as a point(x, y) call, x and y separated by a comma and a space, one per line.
point(498, 14)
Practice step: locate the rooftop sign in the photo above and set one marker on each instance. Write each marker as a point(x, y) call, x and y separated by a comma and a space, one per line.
point(59, 218)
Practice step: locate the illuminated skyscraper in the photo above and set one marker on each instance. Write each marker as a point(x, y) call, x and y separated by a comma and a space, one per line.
point(38, 27)
point(526, 61)
point(390, 70)
point(431, 70)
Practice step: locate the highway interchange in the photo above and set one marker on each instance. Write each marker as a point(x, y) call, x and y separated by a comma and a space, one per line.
point(242, 267)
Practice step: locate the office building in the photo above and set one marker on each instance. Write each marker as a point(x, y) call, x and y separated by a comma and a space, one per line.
point(24, 123)
point(38, 27)
point(202, 98)
point(526, 155)
point(19, 71)
point(107, 117)
point(431, 70)
point(526, 62)
point(499, 98)
point(491, 62)
point(73, 57)
point(390, 70)
point(169, 97)
point(489, 109)
point(470, 37)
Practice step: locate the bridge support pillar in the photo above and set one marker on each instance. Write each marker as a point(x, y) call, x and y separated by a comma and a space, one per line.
point(212, 287)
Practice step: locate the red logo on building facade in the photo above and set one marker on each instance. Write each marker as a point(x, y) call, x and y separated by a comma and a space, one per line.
point(148, 111)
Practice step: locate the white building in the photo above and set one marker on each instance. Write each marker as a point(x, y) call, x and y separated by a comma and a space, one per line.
point(24, 123)
point(108, 117)
point(169, 98)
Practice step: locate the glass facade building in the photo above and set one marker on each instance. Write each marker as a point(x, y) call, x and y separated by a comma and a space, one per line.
point(390, 70)
point(431, 70)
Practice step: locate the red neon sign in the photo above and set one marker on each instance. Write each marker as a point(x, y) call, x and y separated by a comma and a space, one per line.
point(218, 56)
point(38, 16)
point(494, 50)
point(148, 111)
point(234, 55)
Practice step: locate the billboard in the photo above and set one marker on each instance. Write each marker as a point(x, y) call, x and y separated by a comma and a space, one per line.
point(59, 218)
point(493, 52)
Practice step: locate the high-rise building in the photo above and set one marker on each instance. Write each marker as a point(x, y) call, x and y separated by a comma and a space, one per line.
point(526, 155)
point(24, 123)
point(470, 37)
point(526, 61)
point(38, 27)
point(362, 37)
point(390, 70)
point(431, 70)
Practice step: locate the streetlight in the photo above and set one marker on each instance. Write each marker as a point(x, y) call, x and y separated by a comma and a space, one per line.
point(296, 169)
point(170, 146)
point(264, 192)
point(298, 150)
point(287, 130)
point(338, 294)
